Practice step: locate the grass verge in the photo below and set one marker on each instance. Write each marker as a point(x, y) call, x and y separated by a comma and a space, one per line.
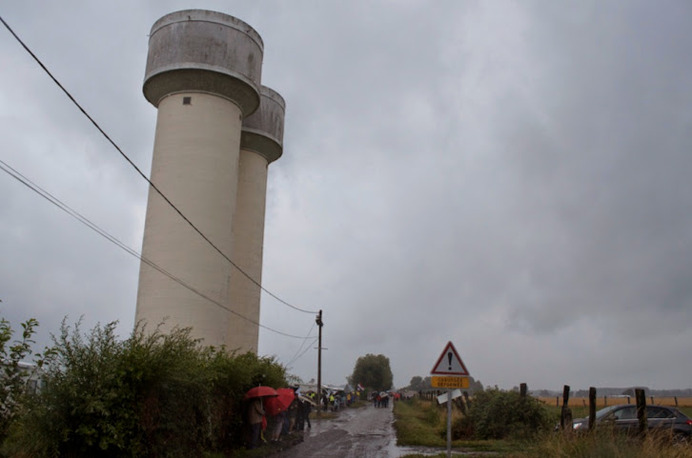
point(423, 423)
point(604, 443)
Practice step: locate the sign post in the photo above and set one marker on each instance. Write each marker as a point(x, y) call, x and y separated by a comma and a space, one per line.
point(449, 423)
point(449, 372)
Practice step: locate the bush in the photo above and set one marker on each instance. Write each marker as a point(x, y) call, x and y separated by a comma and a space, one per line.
point(150, 395)
point(15, 378)
point(496, 414)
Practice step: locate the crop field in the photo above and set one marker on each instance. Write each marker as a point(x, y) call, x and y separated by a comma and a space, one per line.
point(602, 401)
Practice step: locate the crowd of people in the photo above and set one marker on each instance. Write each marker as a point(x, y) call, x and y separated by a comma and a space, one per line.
point(269, 420)
point(335, 400)
point(270, 424)
point(381, 399)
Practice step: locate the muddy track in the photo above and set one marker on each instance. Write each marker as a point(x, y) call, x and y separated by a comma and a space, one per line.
point(362, 432)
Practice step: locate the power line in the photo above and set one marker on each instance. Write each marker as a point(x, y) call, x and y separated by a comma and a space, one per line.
point(82, 219)
point(295, 356)
point(185, 218)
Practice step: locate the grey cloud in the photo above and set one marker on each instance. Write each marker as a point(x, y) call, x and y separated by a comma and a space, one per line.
point(510, 176)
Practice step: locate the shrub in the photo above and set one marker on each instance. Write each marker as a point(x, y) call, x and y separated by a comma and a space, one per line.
point(149, 395)
point(16, 378)
point(496, 414)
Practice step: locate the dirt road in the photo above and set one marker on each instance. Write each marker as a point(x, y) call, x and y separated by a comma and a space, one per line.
point(361, 432)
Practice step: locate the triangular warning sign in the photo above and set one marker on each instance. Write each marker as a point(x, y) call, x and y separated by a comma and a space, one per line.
point(449, 363)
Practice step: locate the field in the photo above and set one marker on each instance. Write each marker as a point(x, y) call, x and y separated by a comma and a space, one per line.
point(422, 423)
point(580, 406)
point(604, 401)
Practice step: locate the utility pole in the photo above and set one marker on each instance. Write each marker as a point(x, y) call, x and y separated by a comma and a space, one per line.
point(318, 320)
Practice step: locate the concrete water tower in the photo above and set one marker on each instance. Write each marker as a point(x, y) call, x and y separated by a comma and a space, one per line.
point(261, 143)
point(203, 74)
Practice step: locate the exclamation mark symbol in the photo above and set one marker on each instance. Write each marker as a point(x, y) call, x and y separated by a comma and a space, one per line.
point(449, 358)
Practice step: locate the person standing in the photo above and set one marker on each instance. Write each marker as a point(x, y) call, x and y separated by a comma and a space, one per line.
point(308, 409)
point(255, 416)
point(300, 415)
point(278, 425)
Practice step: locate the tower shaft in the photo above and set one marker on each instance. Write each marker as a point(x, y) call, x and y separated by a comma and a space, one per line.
point(196, 150)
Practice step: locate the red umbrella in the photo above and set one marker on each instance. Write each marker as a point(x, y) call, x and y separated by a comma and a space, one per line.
point(280, 403)
point(260, 392)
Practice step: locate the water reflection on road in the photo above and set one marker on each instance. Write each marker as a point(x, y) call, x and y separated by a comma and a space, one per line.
point(356, 432)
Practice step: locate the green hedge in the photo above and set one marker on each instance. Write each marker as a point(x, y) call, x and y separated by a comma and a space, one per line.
point(149, 395)
point(497, 414)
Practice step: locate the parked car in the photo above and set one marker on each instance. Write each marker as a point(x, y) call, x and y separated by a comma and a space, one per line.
point(624, 417)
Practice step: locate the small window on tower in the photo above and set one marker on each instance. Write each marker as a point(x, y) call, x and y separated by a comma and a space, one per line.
point(187, 100)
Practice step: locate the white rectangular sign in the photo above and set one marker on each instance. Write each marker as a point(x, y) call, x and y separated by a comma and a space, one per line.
point(441, 399)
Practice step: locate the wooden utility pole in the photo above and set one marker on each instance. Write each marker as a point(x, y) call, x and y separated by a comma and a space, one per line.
point(319, 322)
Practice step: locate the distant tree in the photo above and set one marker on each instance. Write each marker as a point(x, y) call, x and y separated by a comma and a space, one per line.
point(419, 383)
point(475, 385)
point(372, 371)
point(416, 383)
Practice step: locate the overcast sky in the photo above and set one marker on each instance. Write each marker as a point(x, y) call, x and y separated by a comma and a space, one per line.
point(509, 176)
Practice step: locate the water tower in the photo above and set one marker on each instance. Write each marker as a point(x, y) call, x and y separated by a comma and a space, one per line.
point(210, 160)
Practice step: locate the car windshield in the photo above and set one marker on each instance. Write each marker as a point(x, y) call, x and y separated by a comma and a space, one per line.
point(603, 412)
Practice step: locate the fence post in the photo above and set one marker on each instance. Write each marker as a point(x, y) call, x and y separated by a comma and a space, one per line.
point(566, 413)
point(592, 407)
point(640, 396)
point(522, 390)
point(676, 401)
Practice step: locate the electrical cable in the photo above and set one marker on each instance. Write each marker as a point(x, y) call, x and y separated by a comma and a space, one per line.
point(301, 345)
point(82, 219)
point(288, 365)
point(185, 218)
